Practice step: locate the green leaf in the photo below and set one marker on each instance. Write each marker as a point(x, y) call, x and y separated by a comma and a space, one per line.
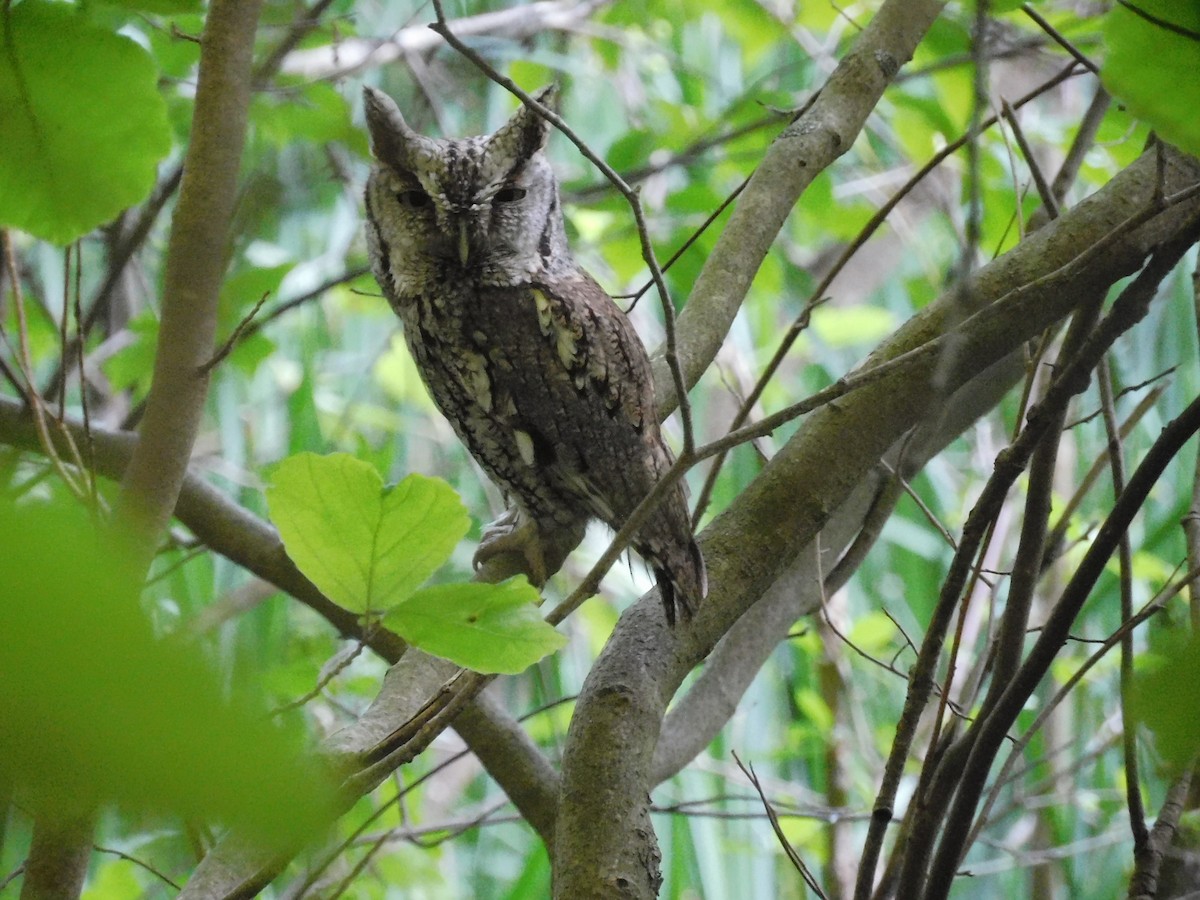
point(95, 706)
point(491, 628)
point(84, 122)
point(1164, 698)
point(873, 632)
point(1152, 68)
point(240, 292)
point(632, 149)
point(365, 546)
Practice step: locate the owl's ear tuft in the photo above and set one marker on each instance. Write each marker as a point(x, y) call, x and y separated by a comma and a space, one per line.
point(392, 141)
point(526, 132)
point(548, 96)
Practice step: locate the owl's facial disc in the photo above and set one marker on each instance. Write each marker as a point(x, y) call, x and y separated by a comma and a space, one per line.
point(485, 205)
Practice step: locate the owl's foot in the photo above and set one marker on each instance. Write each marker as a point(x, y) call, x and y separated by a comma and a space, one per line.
point(513, 533)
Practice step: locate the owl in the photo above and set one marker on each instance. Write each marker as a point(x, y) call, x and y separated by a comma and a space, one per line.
point(539, 372)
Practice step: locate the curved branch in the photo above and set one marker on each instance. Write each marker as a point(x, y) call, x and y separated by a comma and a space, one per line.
point(800, 153)
point(607, 764)
point(697, 717)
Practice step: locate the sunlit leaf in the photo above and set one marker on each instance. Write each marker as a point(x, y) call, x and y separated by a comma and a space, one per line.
point(84, 123)
point(365, 545)
point(873, 632)
point(813, 707)
point(486, 627)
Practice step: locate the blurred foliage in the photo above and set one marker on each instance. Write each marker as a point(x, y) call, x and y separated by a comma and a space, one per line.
point(67, 164)
point(683, 101)
point(96, 708)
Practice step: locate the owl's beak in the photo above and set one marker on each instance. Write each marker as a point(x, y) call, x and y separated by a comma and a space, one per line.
point(464, 243)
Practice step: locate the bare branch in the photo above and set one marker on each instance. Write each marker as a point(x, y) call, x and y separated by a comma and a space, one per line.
point(518, 23)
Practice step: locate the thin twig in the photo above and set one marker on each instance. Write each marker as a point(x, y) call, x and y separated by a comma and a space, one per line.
point(137, 862)
point(1045, 191)
point(230, 342)
point(934, 346)
point(1056, 36)
point(820, 291)
point(788, 849)
point(992, 730)
point(1073, 378)
point(1116, 461)
point(1005, 776)
point(25, 364)
point(1172, 27)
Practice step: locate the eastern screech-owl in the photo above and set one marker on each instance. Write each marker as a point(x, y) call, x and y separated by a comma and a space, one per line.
point(540, 373)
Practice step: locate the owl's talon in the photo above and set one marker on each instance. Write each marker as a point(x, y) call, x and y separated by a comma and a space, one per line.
point(513, 534)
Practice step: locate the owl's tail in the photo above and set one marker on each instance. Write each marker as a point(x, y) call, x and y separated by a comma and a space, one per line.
point(682, 581)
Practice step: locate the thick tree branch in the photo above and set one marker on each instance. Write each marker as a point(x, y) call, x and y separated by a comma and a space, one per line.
point(607, 765)
point(697, 717)
point(58, 857)
point(803, 150)
point(196, 259)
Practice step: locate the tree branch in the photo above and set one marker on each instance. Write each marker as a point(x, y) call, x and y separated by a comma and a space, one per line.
point(516, 764)
point(518, 23)
point(987, 733)
point(697, 717)
point(800, 153)
point(196, 260)
point(195, 266)
point(608, 758)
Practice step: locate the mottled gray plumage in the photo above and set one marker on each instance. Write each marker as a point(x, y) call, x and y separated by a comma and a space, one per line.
point(539, 372)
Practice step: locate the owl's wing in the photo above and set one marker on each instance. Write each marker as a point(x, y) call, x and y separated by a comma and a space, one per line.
point(607, 364)
point(598, 347)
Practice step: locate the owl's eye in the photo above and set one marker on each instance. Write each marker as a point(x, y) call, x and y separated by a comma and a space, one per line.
point(509, 194)
point(414, 199)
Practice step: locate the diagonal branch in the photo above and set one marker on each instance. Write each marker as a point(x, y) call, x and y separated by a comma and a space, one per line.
point(607, 765)
point(800, 153)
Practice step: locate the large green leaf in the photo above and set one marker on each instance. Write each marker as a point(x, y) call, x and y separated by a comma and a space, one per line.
point(368, 547)
point(491, 628)
point(95, 706)
point(84, 123)
point(1153, 57)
